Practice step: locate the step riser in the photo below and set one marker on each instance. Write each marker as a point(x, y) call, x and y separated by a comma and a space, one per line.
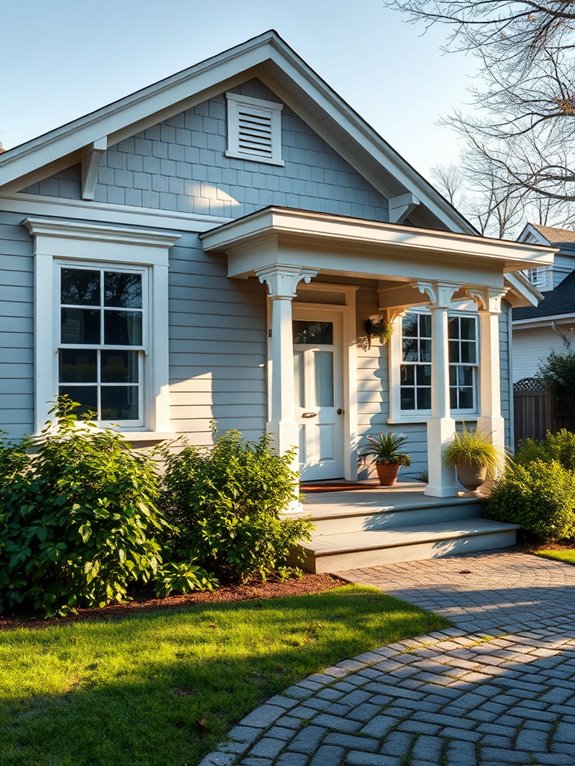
point(339, 562)
point(396, 519)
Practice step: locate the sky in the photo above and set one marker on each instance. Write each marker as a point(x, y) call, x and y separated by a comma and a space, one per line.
point(64, 58)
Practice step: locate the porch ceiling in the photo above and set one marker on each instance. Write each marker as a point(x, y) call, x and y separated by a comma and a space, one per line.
point(354, 247)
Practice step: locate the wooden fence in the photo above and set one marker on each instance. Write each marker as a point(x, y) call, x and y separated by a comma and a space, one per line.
point(536, 412)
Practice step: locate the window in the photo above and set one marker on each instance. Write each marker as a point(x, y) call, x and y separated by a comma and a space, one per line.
point(101, 350)
point(415, 374)
point(541, 278)
point(413, 384)
point(462, 362)
point(101, 322)
point(254, 129)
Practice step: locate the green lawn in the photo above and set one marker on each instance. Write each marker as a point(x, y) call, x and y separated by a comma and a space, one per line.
point(130, 692)
point(566, 555)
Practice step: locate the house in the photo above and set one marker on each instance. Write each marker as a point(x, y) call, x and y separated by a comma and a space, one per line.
point(549, 326)
point(211, 247)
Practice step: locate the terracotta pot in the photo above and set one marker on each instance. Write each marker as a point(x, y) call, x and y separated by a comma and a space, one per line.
point(387, 473)
point(471, 475)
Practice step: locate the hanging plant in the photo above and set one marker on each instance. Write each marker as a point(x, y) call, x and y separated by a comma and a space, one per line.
point(379, 328)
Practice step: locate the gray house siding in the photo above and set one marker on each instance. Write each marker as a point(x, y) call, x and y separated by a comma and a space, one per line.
point(16, 327)
point(218, 346)
point(180, 165)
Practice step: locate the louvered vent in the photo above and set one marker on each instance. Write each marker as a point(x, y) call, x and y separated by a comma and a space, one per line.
point(255, 132)
point(254, 129)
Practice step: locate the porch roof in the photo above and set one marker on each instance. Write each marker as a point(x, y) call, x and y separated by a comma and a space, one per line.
point(356, 247)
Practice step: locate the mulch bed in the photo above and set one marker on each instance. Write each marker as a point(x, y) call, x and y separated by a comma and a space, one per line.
point(308, 583)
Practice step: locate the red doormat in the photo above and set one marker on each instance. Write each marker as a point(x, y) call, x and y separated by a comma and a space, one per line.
point(336, 486)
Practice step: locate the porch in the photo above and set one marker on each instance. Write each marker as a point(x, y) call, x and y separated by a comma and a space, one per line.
point(298, 254)
point(372, 526)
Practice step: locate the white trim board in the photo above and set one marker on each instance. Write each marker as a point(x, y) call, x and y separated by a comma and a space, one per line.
point(39, 205)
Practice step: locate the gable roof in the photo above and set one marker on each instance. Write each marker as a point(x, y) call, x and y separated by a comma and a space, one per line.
point(268, 58)
point(547, 234)
point(556, 302)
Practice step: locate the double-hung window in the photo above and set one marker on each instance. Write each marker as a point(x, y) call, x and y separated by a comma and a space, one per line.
point(101, 322)
point(416, 362)
point(463, 363)
point(414, 378)
point(102, 341)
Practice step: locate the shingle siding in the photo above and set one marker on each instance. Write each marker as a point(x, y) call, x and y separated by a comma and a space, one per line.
point(180, 165)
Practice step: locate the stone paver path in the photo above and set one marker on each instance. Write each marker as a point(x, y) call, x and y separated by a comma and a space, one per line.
point(496, 689)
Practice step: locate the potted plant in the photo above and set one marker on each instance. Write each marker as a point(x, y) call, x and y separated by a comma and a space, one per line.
point(385, 450)
point(474, 456)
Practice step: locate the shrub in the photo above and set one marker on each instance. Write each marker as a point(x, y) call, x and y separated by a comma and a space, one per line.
point(182, 577)
point(539, 496)
point(558, 375)
point(227, 503)
point(559, 447)
point(80, 521)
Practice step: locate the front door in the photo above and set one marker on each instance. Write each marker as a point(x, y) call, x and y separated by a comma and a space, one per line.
point(319, 392)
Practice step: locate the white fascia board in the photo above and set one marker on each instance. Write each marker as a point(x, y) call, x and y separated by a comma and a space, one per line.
point(38, 205)
point(510, 256)
point(522, 292)
point(542, 321)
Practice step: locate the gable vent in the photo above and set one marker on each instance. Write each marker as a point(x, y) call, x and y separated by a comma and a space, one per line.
point(254, 129)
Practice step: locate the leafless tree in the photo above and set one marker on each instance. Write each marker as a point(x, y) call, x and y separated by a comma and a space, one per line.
point(524, 111)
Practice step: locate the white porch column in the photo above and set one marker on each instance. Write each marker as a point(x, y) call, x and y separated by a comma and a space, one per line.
point(282, 282)
point(440, 426)
point(490, 420)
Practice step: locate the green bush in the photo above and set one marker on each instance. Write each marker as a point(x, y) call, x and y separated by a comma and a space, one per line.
point(181, 578)
point(539, 496)
point(227, 503)
point(559, 447)
point(79, 518)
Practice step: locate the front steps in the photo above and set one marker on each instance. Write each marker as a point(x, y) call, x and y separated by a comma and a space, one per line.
point(364, 528)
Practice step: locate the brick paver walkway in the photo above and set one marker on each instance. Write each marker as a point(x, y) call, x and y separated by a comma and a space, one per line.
point(499, 688)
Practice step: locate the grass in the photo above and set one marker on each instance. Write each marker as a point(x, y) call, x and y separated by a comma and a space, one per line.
point(164, 687)
point(561, 554)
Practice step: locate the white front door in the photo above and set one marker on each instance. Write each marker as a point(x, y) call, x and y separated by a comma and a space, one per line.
point(319, 392)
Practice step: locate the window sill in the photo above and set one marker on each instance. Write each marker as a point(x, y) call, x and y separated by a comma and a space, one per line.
point(423, 418)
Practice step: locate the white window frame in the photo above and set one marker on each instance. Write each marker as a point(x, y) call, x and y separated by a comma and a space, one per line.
point(141, 349)
point(395, 360)
point(64, 242)
point(268, 109)
point(473, 410)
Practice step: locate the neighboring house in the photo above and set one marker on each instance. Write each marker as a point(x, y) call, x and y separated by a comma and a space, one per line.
point(550, 326)
point(211, 247)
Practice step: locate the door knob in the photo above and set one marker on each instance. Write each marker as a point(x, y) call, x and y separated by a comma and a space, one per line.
point(339, 411)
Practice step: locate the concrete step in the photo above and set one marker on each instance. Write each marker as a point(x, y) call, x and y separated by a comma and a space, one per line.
point(356, 550)
point(373, 516)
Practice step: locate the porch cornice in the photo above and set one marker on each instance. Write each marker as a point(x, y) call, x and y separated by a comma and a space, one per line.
point(293, 227)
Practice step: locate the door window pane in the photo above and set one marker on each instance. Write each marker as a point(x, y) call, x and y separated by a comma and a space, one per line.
point(323, 363)
point(298, 378)
point(313, 333)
